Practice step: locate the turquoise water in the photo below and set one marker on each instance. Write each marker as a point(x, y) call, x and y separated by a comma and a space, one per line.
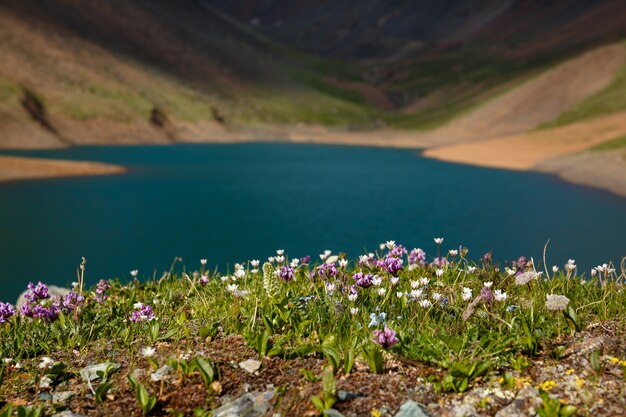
point(231, 203)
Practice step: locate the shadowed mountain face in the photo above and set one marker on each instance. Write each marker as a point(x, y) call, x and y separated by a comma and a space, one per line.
point(104, 69)
point(378, 29)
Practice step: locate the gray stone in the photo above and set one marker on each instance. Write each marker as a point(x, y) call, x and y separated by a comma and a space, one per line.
point(331, 412)
point(525, 404)
point(411, 409)
point(67, 413)
point(45, 396)
point(89, 373)
point(161, 373)
point(254, 404)
point(465, 410)
point(62, 396)
point(347, 396)
point(250, 365)
point(52, 290)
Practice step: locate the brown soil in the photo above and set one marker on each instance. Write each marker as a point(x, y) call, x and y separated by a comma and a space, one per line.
point(576, 382)
point(19, 168)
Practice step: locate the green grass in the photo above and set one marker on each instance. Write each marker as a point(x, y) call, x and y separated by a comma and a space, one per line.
point(611, 99)
point(612, 144)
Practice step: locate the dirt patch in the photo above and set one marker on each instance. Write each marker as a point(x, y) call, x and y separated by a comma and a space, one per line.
point(14, 168)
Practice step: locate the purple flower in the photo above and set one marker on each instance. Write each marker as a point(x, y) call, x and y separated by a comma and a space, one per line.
point(439, 262)
point(204, 280)
point(305, 260)
point(143, 312)
point(6, 311)
point(364, 281)
point(72, 300)
point(397, 251)
point(36, 292)
point(386, 338)
point(520, 264)
point(286, 273)
point(417, 257)
point(486, 295)
point(101, 287)
point(487, 258)
point(391, 264)
point(327, 271)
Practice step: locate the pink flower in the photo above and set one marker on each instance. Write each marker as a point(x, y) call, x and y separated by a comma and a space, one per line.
point(386, 338)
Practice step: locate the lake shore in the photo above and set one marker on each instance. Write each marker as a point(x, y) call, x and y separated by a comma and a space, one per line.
point(559, 151)
point(14, 168)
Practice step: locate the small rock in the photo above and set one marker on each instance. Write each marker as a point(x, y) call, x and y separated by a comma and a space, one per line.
point(331, 412)
point(411, 409)
point(526, 403)
point(465, 410)
point(89, 373)
point(347, 396)
point(62, 396)
point(250, 365)
point(254, 404)
point(44, 396)
point(161, 373)
point(67, 413)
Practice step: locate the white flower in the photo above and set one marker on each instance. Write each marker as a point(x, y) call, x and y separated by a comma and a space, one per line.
point(74, 285)
point(570, 266)
point(240, 273)
point(363, 259)
point(280, 252)
point(556, 302)
point(7, 360)
point(381, 291)
point(594, 273)
point(525, 278)
point(498, 295)
point(417, 293)
point(390, 244)
point(17, 365)
point(327, 253)
point(224, 278)
point(280, 259)
point(232, 288)
point(330, 288)
point(471, 269)
point(439, 272)
point(415, 284)
point(436, 296)
point(555, 269)
point(255, 263)
point(438, 240)
point(137, 306)
point(342, 263)
point(354, 311)
point(381, 246)
point(148, 352)
point(134, 273)
point(509, 271)
point(488, 284)
point(294, 262)
point(352, 297)
point(46, 362)
point(377, 280)
point(466, 294)
point(412, 267)
point(424, 281)
point(399, 294)
point(270, 259)
point(394, 280)
point(453, 252)
point(425, 303)
point(203, 262)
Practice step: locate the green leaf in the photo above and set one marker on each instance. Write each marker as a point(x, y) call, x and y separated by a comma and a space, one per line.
point(594, 360)
point(102, 390)
point(332, 355)
point(567, 411)
point(206, 370)
point(134, 383)
point(318, 403)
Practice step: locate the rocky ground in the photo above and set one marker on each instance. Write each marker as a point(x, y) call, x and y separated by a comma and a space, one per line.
point(568, 370)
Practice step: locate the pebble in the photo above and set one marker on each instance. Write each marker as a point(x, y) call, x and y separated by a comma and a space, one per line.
point(89, 373)
point(67, 413)
point(250, 365)
point(254, 404)
point(411, 409)
point(525, 404)
point(161, 373)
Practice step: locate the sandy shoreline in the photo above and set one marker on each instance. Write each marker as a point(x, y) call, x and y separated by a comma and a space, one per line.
point(14, 168)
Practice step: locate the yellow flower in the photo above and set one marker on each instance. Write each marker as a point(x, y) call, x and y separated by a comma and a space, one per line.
point(579, 382)
point(569, 371)
point(547, 385)
point(375, 412)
